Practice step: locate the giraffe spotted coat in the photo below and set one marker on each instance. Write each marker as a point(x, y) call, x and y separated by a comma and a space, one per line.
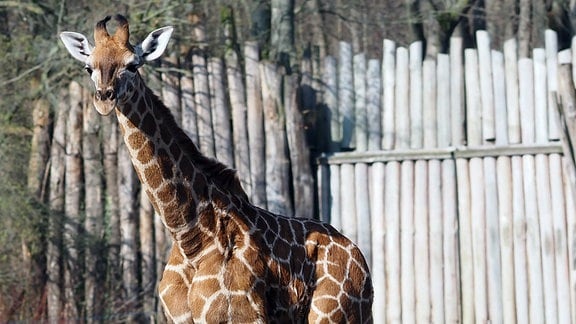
point(230, 261)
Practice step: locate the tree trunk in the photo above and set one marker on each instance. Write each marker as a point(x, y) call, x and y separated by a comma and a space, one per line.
point(282, 33)
point(56, 204)
point(73, 192)
point(39, 150)
point(524, 30)
point(94, 209)
point(147, 250)
point(318, 27)
point(171, 87)
point(127, 198)
point(110, 149)
point(260, 27)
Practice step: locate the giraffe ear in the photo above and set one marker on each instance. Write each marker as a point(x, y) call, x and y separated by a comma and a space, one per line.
point(155, 43)
point(77, 45)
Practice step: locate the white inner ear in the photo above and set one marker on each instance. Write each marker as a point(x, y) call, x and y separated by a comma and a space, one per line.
point(77, 45)
point(155, 43)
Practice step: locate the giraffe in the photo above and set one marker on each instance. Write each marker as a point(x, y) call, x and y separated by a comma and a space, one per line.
point(230, 261)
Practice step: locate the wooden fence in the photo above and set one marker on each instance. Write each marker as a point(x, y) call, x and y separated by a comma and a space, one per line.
point(447, 172)
point(455, 186)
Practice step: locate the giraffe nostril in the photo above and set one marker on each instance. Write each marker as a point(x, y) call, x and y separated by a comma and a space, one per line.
point(110, 94)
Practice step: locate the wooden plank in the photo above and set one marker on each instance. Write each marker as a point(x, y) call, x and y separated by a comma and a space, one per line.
point(392, 248)
point(566, 116)
point(360, 135)
point(534, 259)
point(416, 109)
point(330, 100)
point(493, 263)
point(505, 214)
point(450, 245)
point(421, 246)
point(478, 224)
point(465, 238)
point(540, 96)
point(560, 237)
point(239, 114)
point(486, 85)
point(444, 116)
point(349, 220)
point(473, 98)
point(436, 241)
point(571, 229)
point(519, 229)
point(457, 96)
point(429, 114)
point(346, 95)
point(377, 181)
point(407, 242)
point(388, 95)
point(401, 104)
point(223, 141)
point(443, 153)
point(500, 109)
point(301, 173)
point(373, 110)
point(551, 46)
point(546, 238)
point(362, 203)
point(335, 201)
point(512, 91)
point(255, 118)
point(526, 99)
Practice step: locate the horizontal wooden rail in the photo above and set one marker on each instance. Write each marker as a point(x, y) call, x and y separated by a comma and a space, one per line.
point(464, 152)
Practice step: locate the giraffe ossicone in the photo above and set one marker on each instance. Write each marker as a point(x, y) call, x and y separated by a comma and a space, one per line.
point(230, 261)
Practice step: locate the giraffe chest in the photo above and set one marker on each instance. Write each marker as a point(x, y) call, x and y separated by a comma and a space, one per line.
point(249, 279)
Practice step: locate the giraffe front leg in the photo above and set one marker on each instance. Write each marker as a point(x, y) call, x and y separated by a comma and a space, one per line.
point(173, 288)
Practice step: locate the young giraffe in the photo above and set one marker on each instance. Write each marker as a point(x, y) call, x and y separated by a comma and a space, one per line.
point(231, 261)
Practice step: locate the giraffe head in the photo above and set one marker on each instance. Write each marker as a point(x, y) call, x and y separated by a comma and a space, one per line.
point(113, 62)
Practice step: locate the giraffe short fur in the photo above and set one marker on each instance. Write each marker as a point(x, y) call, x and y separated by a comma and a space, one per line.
point(230, 261)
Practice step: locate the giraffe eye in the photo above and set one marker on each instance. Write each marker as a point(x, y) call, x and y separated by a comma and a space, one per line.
point(132, 67)
point(88, 69)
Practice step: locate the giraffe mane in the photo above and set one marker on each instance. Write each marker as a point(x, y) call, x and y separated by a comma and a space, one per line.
point(217, 172)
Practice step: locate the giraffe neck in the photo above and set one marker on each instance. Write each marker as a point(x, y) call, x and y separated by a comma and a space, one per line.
point(174, 174)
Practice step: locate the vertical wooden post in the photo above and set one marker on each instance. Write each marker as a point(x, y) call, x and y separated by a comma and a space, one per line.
point(302, 180)
point(255, 119)
point(223, 142)
point(379, 230)
point(512, 91)
point(388, 97)
point(239, 115)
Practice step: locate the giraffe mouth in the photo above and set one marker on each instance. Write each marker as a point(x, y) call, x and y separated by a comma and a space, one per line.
point(105, 107)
